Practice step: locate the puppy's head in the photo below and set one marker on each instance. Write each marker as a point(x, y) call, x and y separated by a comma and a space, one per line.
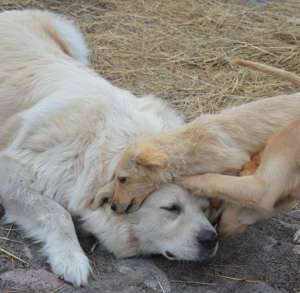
point(139, 172)
point(171, 222)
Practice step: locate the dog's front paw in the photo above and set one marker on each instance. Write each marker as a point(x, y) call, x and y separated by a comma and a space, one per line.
point(71, 264)
point(297, 237)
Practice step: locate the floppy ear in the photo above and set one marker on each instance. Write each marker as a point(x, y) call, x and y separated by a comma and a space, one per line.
point(152, 158)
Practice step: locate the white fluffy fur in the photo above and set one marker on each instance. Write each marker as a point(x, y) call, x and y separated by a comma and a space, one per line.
point(62, 131)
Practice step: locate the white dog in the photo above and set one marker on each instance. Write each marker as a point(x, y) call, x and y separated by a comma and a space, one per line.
point(62, 131)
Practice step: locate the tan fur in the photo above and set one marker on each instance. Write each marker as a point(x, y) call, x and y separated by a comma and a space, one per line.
point(276, 180)
point(152, 158)
point(220, 143)
point(235, 219)
point(251, 166)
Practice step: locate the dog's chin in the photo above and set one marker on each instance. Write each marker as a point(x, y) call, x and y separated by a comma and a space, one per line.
point(122, 254)
point(199, 255)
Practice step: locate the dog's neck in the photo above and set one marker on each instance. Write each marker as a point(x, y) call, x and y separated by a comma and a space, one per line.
point(198, 148)
point(209, 144)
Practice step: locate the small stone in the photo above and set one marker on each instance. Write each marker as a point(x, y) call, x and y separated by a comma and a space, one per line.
point(296, 249)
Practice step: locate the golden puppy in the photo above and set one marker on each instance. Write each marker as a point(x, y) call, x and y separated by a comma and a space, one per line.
point(219, 143)
point(276, 181)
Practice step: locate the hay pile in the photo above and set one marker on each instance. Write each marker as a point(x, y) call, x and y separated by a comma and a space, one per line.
point(179, 49)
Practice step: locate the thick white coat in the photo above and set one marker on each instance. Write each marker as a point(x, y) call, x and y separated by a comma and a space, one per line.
point(62, 131)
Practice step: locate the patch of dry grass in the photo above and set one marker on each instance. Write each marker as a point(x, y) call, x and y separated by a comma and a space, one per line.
point(179, 49)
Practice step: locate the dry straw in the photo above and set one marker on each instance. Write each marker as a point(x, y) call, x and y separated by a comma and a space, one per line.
point(178, 49)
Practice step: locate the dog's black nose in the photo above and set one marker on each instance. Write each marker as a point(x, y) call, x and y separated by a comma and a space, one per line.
point(208, 239)
point(114, 207)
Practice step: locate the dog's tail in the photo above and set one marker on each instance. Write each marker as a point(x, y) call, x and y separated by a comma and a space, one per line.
point(65, 34)
point(283, 74)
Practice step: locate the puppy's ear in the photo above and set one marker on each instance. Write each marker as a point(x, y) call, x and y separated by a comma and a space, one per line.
point(152, 158)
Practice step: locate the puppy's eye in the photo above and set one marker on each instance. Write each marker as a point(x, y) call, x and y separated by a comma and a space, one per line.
point(173, 209)
point(122, 179)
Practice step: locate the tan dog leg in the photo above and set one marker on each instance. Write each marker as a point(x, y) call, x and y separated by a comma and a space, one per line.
point(276, 178)
point(245, 191)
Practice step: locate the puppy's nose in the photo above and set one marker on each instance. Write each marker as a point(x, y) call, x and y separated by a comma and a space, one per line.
point(208, 239)
point(114, 207)
point(120, 209)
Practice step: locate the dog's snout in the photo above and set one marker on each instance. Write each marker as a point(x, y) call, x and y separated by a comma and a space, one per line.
point(208, 239)
point(120, 209)
point(113, 207)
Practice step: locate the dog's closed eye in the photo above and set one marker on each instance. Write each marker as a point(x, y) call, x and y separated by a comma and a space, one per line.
point(175, 208)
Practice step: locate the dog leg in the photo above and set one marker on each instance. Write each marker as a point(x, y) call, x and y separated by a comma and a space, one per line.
point(245, 191)
point(259, 191)
point(43, 219)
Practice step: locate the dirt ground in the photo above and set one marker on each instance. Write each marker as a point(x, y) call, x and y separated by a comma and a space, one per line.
point(262, 260)
point(179, 50)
